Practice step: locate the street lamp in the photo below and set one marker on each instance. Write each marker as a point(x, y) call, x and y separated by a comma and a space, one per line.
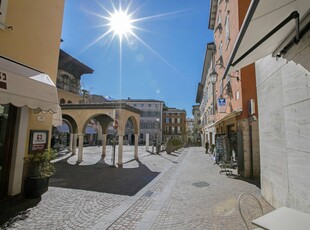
point(213, 79)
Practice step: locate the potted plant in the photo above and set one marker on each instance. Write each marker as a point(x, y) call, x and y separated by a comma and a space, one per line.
point(40, 169)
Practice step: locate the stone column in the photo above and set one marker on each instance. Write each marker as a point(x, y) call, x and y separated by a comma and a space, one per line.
point(71, 142)
point(120, 151)
point(147, 141)
point(104, 145)
point(74, 135)
point(80, 153)
point(136, 147)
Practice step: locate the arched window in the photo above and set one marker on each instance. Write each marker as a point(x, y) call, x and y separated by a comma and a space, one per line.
point(62, 101)
point(69, 102)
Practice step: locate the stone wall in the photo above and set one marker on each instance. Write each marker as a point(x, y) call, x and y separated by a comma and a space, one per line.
point(283, 89)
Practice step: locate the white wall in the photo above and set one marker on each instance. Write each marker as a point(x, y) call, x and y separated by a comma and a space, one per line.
point(283, 90)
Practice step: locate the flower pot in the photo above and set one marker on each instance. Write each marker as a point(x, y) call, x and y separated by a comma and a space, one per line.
point(35, 186)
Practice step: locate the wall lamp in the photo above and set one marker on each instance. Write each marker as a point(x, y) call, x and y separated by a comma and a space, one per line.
point(238, 79)
point(213, 77)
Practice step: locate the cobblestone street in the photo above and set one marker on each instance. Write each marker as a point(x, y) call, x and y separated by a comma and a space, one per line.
point(183, 190)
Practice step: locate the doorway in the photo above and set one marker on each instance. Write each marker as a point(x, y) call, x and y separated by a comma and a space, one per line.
point(7, 121)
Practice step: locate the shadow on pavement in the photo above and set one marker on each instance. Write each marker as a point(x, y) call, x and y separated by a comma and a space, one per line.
point(255, 181)
point(101, 177)
point(15, 208)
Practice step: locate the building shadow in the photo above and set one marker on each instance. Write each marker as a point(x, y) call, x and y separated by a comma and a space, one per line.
point(14, 209)
point(101, 177)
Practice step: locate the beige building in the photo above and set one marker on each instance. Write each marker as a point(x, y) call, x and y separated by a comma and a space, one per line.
point(197, 125)
point(30, 39)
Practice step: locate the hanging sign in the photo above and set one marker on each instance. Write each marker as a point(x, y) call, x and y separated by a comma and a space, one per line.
point(221, 104)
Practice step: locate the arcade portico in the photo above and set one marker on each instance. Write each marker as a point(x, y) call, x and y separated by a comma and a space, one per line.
point(77, 116)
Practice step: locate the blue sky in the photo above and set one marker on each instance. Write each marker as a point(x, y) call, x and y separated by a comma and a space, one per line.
point(163, 61)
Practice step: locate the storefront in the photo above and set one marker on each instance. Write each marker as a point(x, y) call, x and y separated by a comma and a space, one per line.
point(28, 98)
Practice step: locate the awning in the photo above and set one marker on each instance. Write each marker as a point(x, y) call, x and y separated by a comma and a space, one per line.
point(57, 117)
point(263, 17)
point(23, 86)
point(228, 116)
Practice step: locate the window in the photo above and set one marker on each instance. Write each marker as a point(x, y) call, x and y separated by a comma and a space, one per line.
point(172, 120)
point(237, 95)
point(142, 105)
point(221, 87)
point(134, 105)
point(178, 120)
point(221, 49)
point(62, 101)
point(167, 120)
point(149, 105)
point(227, 30)
point(3, 8)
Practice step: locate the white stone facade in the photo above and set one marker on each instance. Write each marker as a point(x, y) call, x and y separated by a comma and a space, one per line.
point(283, 89)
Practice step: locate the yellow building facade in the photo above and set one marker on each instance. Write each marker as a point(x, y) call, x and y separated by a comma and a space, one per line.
point(30, 34)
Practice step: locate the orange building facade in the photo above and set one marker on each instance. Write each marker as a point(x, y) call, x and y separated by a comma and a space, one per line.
point(228, 100)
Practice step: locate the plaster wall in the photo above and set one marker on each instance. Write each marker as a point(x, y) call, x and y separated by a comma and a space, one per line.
point(283, 89)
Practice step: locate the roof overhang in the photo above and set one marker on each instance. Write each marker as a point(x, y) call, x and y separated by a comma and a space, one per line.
point(23, 86)
point(268, 28)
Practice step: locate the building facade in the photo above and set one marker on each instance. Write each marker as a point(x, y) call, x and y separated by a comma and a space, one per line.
point(28, 67)
point(225, 98)
point(174, 124)
point(151, 120)
point(197, 125)
point(190, 131)
point(68, 82)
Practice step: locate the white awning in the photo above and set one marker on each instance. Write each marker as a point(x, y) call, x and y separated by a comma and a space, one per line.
point(23, 86)
point(262, 17)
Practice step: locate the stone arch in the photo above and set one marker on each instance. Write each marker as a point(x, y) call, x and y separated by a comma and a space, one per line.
point(70, 121)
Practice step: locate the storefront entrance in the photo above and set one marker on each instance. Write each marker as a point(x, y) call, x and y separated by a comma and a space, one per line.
point(7, 121)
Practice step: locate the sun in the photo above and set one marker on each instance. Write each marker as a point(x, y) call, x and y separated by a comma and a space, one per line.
point(120, 23)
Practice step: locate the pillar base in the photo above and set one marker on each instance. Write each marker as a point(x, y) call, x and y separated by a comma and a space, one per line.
point(119, 165)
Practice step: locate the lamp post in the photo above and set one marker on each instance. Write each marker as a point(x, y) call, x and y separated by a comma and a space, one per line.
point(213, 79)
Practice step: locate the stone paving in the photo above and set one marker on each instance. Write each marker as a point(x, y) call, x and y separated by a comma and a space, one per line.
point(189, 193)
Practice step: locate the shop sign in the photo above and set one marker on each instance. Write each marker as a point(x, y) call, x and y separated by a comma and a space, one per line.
point(38, 141)
point(221, 105)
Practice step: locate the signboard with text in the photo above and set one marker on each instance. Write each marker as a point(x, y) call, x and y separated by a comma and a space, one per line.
point(38, 141)
point(221, 104)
